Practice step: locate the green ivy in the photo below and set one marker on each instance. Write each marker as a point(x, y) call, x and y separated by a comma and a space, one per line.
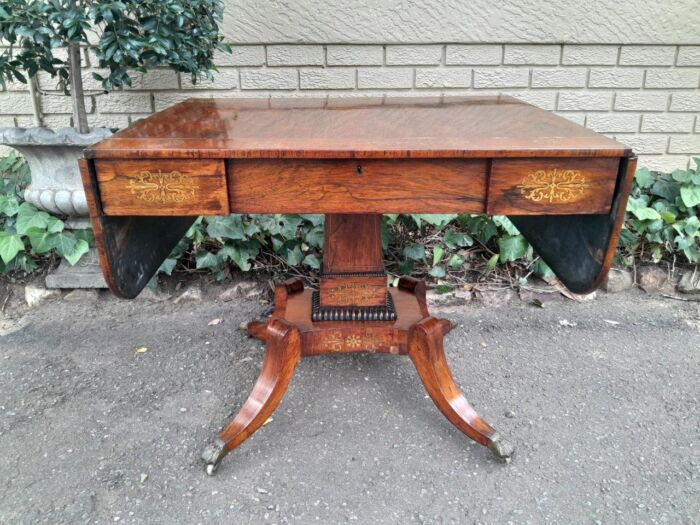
point(245, 242)
point(439, 245)
point(663, 216)
point(28, 234)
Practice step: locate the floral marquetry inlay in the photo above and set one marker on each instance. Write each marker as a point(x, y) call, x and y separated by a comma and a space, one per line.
point(554, 186)
point(162, 187)
point(336, 342)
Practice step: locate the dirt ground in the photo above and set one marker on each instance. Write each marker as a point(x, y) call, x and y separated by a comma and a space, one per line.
point(599, 398)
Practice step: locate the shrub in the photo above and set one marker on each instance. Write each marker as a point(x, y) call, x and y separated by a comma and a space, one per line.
point(124, 35)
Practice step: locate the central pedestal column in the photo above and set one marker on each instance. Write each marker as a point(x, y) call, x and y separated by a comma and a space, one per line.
point(353, 286)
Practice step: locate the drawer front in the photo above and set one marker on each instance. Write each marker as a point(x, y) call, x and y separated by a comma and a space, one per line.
point(359, 186)
point(162, 187)
point(551, 186)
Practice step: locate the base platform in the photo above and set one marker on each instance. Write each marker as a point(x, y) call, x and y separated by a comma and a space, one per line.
point(290, 334)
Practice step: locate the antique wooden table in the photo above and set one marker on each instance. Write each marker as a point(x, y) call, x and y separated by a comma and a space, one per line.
point(564, 187)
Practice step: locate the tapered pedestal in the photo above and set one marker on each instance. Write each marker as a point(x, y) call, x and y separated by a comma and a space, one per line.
point(293, 332)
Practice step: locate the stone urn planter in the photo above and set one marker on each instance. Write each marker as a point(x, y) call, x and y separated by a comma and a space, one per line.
point(56, 187)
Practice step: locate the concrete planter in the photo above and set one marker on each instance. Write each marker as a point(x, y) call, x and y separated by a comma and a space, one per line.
point(56, 187)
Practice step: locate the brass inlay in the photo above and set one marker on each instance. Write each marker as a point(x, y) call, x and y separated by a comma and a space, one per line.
point(163, 187)
point(353, 341)
point(334, 340)
point(372, 343)
point(352, 293)
point(554, 186)
point(337, 343)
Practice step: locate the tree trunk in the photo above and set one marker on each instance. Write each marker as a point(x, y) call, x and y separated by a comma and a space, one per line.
point(76, 89)
point(36, 102)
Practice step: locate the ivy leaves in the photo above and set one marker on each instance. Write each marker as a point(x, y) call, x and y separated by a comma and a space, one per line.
point(10, 246)
point(230, 227)
point(455, 239)
point(31, 219)
point(689, 185)
point(42, 233)
point(663, 212)
point(511, 248)
point(415, 252)
point(448, 246)
point(27, 229)
point(70, 246)
point(220, 244)
point(27, 234)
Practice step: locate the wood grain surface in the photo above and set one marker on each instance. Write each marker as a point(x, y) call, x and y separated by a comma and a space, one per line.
point(130, 249)
point(355, 291)
point(282, 355)
point(374, 336)
point(425, 348)
point(493, 126)
point(362, 186)
point(551, 186)
point(352, 244)
point(162, 187)
point(353, 261)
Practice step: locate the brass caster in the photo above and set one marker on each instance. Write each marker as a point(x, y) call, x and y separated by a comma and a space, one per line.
point(212, 456)
point(500, 448)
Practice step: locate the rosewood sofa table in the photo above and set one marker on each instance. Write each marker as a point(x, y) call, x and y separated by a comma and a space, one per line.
point(564, 187)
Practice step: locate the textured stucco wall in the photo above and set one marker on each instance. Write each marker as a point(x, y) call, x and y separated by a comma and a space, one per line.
point(647, 96)
point(469, 21)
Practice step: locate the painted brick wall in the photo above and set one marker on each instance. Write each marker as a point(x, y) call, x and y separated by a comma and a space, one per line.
point(647, 96)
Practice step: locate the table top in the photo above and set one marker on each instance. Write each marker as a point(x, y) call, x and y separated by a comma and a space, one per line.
point(564, 186)
point(458, 127)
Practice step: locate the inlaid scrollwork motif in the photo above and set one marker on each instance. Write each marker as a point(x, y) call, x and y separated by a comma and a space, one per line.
point(554, 186)
point(162, 187)
point(334, 341)
point(372, 343)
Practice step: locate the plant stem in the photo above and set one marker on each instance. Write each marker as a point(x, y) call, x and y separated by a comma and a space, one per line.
point(76, 89)
point(36, 102)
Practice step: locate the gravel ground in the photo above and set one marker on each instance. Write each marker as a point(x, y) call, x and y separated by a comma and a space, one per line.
point(600, 399)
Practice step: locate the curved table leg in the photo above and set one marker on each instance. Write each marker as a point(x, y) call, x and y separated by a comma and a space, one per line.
point(281, 358)
point(257, 329)
point(426, 351)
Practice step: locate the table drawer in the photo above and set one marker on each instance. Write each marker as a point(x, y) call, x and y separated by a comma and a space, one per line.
point(162, 187)
point(551, 186)
point(357, 186)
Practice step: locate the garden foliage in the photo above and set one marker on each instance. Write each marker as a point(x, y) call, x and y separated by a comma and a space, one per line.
point(124, 35)
point(663, 216)
point(28, 235)
point(662, 224)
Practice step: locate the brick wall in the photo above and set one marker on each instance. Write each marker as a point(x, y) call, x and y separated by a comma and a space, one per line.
point(645, 96)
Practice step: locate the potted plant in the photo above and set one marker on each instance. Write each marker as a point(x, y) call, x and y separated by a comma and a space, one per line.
point(125, 36)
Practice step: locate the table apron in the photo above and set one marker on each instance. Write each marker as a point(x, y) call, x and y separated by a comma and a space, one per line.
point(187, 187)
